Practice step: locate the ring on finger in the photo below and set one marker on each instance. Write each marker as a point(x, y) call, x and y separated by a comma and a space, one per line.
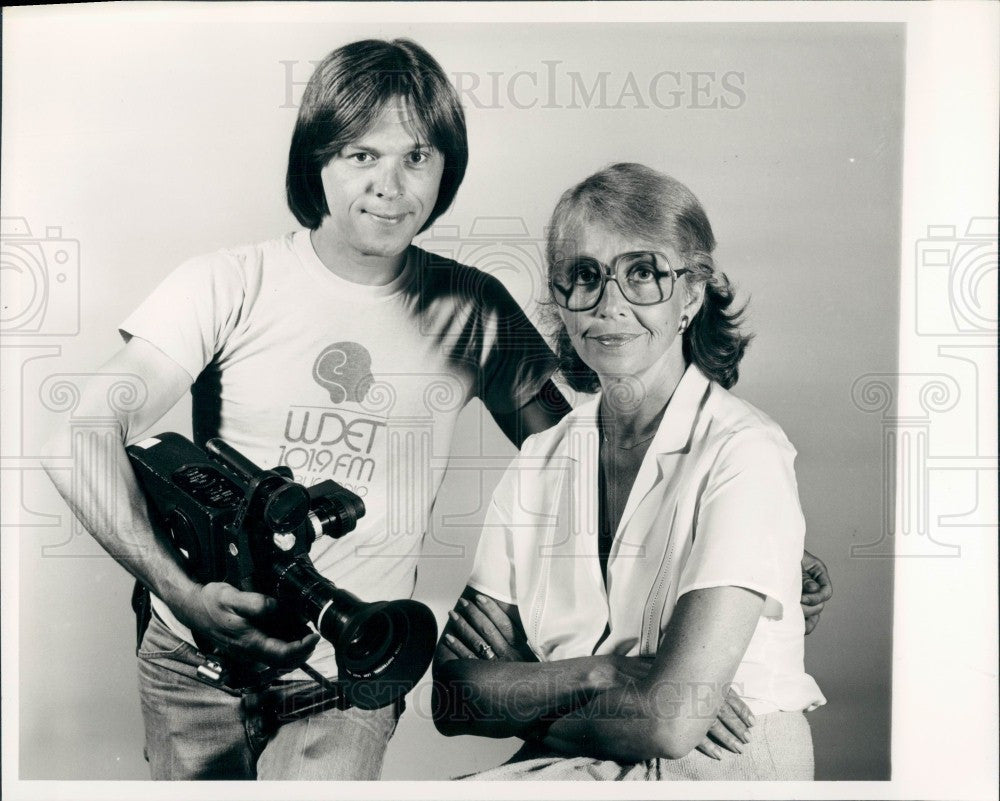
point(484, 651)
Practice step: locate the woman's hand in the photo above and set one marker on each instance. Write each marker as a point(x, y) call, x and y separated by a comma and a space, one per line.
point(730, 730)
point(488, 682)
point(816, 589)
point(479, 628)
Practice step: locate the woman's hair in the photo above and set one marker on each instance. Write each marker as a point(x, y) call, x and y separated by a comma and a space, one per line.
point(345, 96)
point(639, 203)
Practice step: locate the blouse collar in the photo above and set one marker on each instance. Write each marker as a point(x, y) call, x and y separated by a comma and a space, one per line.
point(677, 426)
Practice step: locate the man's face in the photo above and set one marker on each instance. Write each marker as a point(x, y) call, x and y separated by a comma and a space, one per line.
point(381, 188)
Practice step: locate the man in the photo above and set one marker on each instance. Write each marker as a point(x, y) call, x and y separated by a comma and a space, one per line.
point(340, 351)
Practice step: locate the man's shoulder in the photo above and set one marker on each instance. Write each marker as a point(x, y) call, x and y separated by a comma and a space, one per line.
point(581, 421)
point(440, 276)
point(240, 264)
point(255, 255)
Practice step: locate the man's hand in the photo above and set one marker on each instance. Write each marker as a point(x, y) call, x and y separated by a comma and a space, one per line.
point(816, 589)
point(731, 729)
point(225, 615)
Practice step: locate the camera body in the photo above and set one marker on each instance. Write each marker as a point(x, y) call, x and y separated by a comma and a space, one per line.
point(228, 526)
point(228, 520)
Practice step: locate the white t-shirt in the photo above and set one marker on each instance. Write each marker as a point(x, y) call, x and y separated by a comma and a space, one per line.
point(295, 366)
point(715, 503)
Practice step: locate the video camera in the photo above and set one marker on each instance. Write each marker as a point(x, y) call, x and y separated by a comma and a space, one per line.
point(231, 521)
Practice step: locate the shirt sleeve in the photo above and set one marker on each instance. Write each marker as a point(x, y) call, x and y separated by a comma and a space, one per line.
point(749, 530)
point(517, 361)
point(191, 313)
point(493, 570)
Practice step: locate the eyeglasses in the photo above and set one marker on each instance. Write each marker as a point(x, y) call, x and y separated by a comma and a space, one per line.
point(644, 278)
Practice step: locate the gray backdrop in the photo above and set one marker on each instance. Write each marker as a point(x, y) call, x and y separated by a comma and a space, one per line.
point(132, 144)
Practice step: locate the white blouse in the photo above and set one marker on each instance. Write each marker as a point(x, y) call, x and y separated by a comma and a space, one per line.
point(715, 503)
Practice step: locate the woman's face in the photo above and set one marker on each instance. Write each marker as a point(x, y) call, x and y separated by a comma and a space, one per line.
point(617, 338)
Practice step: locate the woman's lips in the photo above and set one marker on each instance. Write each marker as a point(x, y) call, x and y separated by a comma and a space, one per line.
point(613, 340)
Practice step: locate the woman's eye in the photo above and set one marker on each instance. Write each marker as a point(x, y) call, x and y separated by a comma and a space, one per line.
point(419, 157)
point(360, 158)
point(585, 275)
point(641, 274)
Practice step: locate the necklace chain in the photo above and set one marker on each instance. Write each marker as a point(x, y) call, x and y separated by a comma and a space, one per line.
point(627, 446)
point(630, 445)
point(654, 424)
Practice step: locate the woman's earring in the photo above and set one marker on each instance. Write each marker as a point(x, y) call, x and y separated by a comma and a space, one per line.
point(683, 326)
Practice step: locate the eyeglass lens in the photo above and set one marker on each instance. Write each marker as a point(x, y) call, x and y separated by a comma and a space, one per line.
point(644, 278)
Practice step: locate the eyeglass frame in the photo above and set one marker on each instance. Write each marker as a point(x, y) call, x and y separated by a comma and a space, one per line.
point(609, 272)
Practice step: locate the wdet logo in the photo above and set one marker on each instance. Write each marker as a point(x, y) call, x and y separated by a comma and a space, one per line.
point(344, 369)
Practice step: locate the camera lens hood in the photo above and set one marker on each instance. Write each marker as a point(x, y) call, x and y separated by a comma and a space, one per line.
point(382, 648)
point(383, 651)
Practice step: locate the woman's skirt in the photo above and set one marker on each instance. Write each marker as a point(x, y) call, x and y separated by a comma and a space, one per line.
point(780, 748)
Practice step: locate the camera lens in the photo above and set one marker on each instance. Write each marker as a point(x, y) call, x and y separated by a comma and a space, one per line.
point(334, 510)
point(335, 516)
point(371, 643)
point(286, 507)
point(382, 648)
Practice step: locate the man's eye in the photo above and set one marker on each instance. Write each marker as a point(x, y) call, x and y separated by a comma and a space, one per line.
point(419, 157)
point(360, 158)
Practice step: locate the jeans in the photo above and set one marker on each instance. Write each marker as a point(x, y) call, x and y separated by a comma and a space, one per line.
point(194, 731)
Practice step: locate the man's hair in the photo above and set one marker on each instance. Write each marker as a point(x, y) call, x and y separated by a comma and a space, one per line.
point(642, 204)
point(345, 96)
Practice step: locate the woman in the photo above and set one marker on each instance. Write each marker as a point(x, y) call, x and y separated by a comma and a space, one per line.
point(639, 566)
